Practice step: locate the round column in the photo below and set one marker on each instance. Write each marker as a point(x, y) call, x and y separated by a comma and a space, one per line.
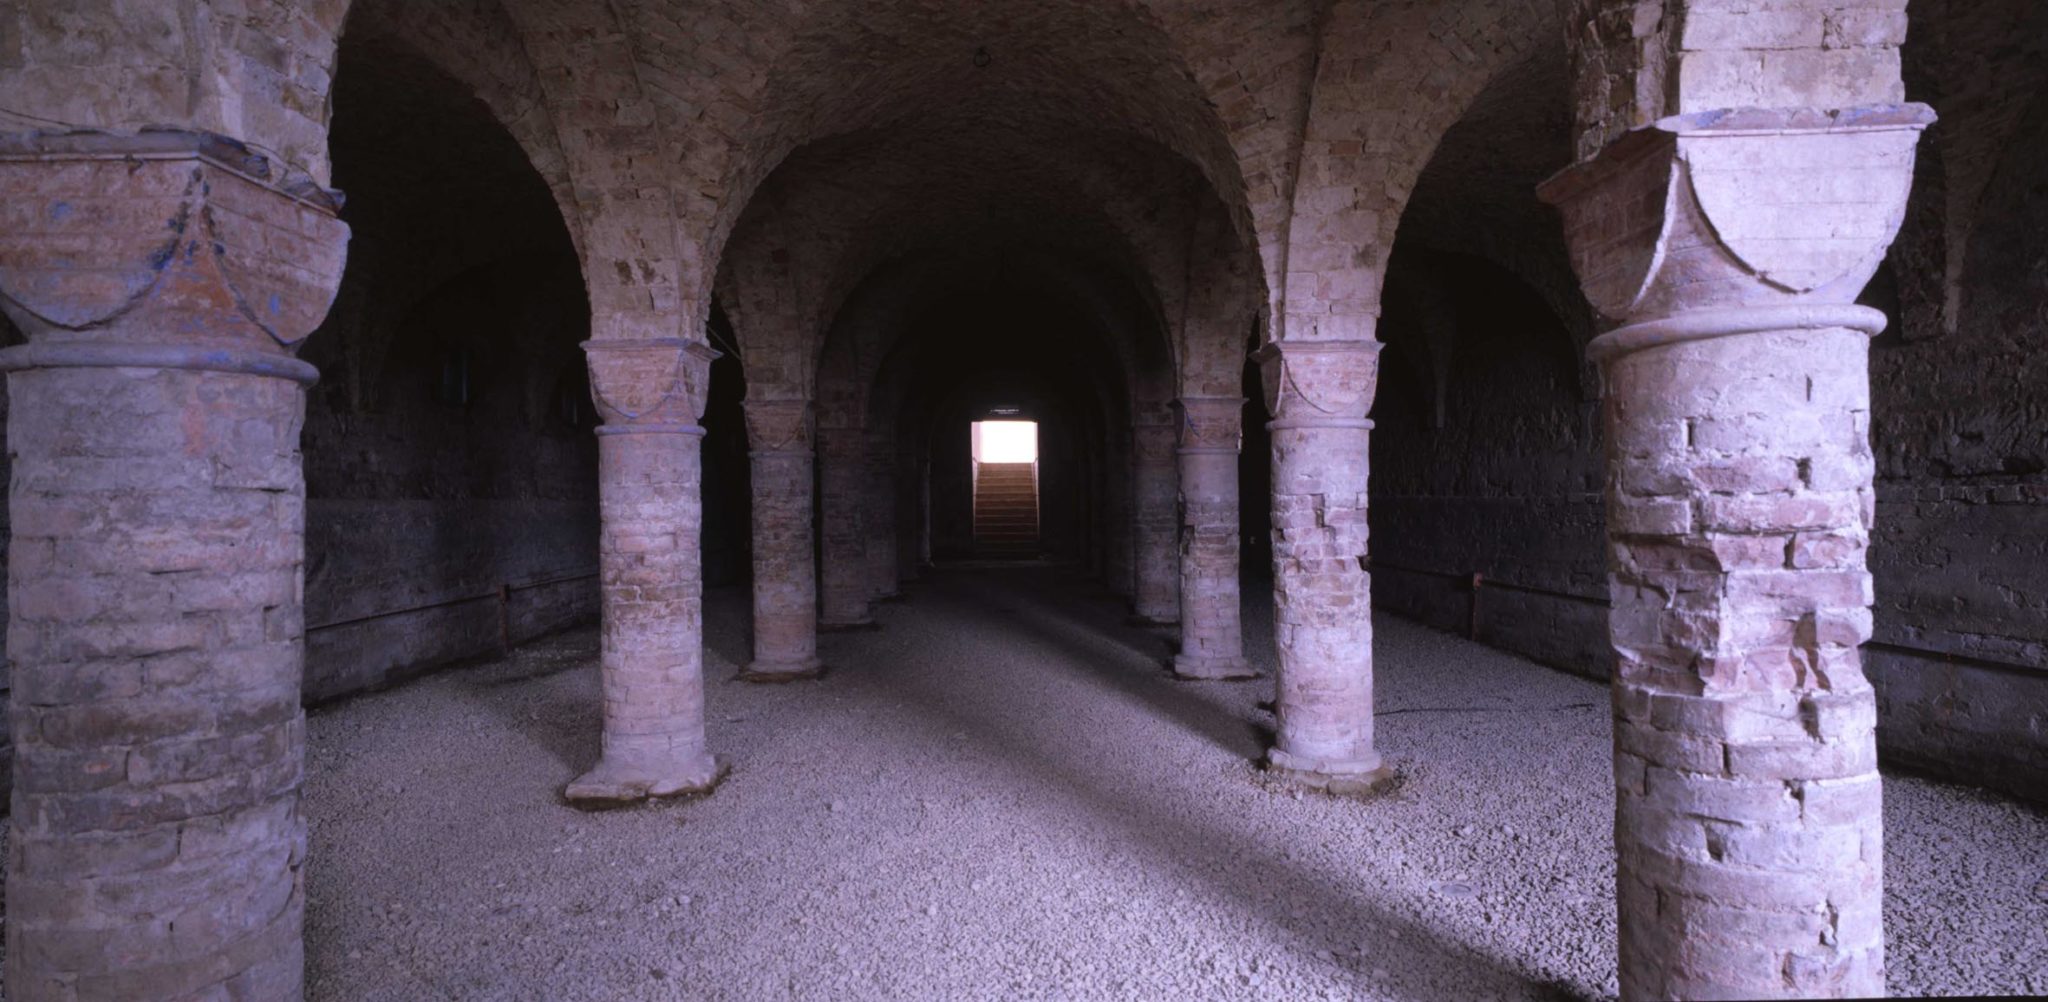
point(785, 573)
point(845, 576)
point(878, 515)
point(1748, 821)
point(1319, 393)
point(1211, 617)
point(1748, 827)
point(650, 467)
point(155, 580)
point(1155, 550)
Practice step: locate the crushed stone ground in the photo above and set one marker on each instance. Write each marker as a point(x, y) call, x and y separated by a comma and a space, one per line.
point(1002, 795)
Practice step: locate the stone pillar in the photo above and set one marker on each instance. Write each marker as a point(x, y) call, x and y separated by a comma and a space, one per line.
point(785, 573)
point(1319, 393)
point(1116, 516)
point(1731, 247)
point(1211, 621)
point(1155, 551)
point(650, 393)
point(155, 582)
point(909, 513)
point(845, 576)
point(878, 517)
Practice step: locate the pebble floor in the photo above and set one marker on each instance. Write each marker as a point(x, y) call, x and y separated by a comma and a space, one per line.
point(1002, 795)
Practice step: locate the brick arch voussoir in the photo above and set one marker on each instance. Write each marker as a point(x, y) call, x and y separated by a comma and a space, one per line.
point(1393, 80)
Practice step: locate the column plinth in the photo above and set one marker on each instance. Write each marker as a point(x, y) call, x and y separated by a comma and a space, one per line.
point(785, 573)
point(650, 393)
point(1319, 393)
point(155, 578)
point(1211, 617)
point(1748, 832)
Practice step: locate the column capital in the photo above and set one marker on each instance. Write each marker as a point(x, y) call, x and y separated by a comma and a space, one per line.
point(778, 427)
point(1210, 424)
point(164, 249)
point(1736, 221)
point(1319, 384)
point(649, 385)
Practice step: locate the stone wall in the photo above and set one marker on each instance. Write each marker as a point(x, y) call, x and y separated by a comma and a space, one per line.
point(459, 509)
point(1486, 462)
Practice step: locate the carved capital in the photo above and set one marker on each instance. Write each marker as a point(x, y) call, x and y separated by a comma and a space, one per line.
point(649, 384)
point(776, 427)
point(1319, 383)
point(1738, 210)
point(1211, 424)
point(187, 245)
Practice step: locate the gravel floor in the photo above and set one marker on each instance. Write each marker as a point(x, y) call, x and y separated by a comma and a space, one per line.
point(1002, 795)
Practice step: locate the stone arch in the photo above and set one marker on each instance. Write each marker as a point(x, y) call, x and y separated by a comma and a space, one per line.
point(1392, 80)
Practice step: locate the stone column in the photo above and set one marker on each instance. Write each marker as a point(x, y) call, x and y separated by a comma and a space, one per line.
point(1731, 247)
point(1319, 393)
point(785, 573)
point(1211, 622)
point(1116, 516)
point(842, 470)
point(650, 393)
point(155, 582)
point(878, 517)
point(1155, 597)
point(909, 514)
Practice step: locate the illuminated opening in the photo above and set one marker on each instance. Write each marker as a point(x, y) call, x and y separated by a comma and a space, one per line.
point(1005, 441)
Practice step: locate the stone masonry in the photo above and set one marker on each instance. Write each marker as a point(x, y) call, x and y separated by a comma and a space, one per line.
point(1155, 596)
point(154, 583)
point(846, 576)
point(1739, 508)
point(785, 575)
point(1319, 393)
point(651, 394)
point(1211, 620)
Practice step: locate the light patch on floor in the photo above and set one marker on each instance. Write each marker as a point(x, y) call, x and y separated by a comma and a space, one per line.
point(1002, 794)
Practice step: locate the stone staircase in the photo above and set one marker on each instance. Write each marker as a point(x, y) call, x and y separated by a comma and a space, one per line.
point(1006, 511)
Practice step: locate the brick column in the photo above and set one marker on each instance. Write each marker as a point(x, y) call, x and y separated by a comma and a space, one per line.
point(909, 512)
point(1155, 550)
point(650, 467)
point(1211, 622)
point(785, 574)
point(845, 576)
point(1319, 393)
point(1739, 503)
point(878, 516)
point(155, 579)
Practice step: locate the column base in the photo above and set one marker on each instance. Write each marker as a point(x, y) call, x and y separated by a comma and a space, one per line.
point(772, 672)
point(894, 596)
point(1355, 779)
point(849, 626)
point(1140, 619)
point(617, 784)
point(1196, 669)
